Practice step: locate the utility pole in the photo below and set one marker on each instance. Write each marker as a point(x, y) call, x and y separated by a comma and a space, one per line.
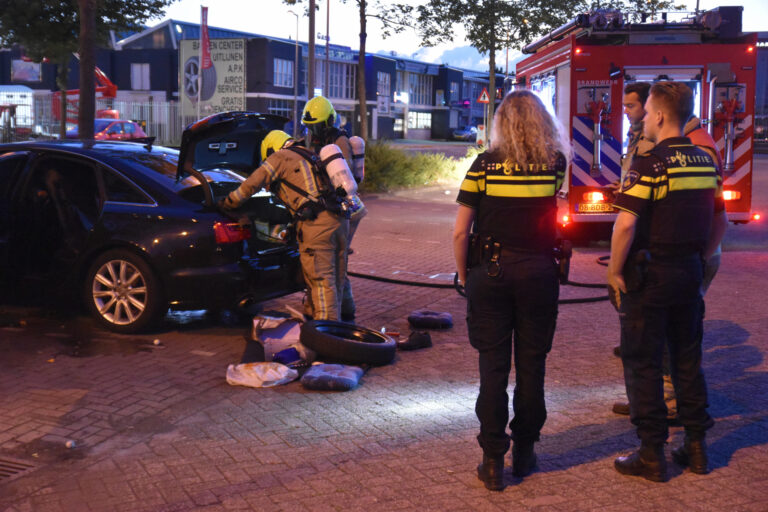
point(311, 70)
point(296, 79)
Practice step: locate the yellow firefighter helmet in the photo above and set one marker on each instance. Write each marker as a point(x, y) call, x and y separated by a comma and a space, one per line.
point(318, 110)
point(274, 141)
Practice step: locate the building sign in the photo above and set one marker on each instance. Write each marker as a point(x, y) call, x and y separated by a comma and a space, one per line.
point(223, 84)
point(25, 71)
point(382, 104)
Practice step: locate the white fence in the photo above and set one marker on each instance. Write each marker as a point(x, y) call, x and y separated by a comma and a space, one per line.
point(160, 119)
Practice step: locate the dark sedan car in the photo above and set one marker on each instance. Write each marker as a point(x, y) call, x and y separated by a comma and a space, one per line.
point(131, 231)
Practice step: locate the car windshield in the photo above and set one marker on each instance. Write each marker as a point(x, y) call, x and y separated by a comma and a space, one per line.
point(100, 125)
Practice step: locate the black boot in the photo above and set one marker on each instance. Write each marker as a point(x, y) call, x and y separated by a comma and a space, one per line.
point(523, 459)
point(491, 473)
point(693, 453)
point(648, 462)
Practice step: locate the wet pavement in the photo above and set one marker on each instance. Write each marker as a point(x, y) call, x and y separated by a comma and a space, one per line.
point(96, 421)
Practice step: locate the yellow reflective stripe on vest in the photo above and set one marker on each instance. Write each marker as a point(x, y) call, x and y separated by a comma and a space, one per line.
point(476, 185)
point(680, 178)
point(517, 190)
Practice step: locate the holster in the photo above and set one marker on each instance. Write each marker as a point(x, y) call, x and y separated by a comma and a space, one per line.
point(635, 270)
point(562, 253)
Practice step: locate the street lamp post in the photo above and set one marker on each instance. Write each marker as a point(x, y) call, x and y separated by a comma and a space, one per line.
point(327, 47)
point(296, 79)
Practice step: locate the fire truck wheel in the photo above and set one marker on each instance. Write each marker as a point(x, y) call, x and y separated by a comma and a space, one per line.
point(346, 343)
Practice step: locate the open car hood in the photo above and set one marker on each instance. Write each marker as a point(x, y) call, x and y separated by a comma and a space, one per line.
point(228, 140)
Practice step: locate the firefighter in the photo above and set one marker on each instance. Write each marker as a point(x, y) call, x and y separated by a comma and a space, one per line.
point(635, 96)
point(319, 117)
point(511, 278)
point(655, 275)
point(290, 171)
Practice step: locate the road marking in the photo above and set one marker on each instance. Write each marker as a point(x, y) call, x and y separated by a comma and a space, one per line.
point(203, 353)
point(405, 240)
point(433, 242)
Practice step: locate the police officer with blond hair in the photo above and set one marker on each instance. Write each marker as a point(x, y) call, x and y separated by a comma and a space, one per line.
point(508, 200)
point(319, 117)
point(671, 220)
point(291, 172)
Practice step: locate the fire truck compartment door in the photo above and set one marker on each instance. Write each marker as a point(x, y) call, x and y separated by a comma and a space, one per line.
point(682, 74)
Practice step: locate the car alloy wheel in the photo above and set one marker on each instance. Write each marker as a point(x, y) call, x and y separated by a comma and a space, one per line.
point(122, 292)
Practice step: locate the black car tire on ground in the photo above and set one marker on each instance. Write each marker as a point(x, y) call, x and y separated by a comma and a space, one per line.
point(347, 343)
point(122, 292)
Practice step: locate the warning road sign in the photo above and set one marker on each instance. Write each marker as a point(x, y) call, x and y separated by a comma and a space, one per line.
point(484, 96)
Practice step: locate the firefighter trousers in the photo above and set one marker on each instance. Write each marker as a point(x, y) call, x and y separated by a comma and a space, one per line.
point(511, 316)
point(348, 307)
point(323, 255)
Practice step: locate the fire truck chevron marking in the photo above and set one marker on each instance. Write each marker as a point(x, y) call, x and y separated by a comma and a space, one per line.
point(582, 162)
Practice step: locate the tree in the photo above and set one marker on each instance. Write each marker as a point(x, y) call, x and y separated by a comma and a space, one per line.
point(491, 25)
point(363, 6)
point(50, 29)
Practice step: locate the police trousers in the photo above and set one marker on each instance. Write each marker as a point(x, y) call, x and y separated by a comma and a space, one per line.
point(323, 256)
point(665, 311)
point(512, 315)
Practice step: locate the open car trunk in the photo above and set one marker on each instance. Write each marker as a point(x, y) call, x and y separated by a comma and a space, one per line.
point(231, 142)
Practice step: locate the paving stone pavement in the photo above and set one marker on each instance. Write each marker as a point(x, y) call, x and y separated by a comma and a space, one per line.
point(157, 428)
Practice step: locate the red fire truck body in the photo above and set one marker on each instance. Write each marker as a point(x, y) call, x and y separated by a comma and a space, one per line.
point(580, 71)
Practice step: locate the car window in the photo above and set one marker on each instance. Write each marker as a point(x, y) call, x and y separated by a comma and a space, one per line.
point(119, 190)
point(10, 167)
point(130, 128)
point(70, 183)
point(100, 124)
point(115, 128)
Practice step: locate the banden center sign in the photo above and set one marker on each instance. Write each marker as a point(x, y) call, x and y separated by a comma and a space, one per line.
point(220, 87)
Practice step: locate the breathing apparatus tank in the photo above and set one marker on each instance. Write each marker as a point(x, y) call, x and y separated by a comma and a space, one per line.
point(338, 171)
point(358, 158)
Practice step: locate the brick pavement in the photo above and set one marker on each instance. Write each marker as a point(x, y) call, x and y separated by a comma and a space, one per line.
point(158, 429)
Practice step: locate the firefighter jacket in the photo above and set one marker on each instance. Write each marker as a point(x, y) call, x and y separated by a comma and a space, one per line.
point(638, 145)
point(287, 174)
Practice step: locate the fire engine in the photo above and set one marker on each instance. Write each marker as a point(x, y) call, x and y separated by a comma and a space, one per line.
point(580, 70)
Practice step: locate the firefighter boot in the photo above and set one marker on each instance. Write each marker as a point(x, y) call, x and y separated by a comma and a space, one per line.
point(648, 462)
point(491, 473)
point(693, 454)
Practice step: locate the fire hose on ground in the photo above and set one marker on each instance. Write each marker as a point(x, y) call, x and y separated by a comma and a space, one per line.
point(460, 289)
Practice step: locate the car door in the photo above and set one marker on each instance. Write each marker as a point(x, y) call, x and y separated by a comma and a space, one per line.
point(56, 210)
point(12, 165)
point(115, 131)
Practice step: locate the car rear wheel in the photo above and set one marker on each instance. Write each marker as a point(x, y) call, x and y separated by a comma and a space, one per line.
point(122, 292)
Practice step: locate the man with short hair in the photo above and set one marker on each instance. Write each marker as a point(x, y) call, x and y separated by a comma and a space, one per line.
point(635, 95)
point(673, 215)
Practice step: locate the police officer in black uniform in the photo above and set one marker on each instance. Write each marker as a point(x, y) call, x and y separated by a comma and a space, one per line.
point(672, 218)
point(512, 283)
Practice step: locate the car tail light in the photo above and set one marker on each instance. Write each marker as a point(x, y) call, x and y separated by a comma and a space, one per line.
point(230, 233)
point(565, 220)
point(594, 197)
point(731, 195)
